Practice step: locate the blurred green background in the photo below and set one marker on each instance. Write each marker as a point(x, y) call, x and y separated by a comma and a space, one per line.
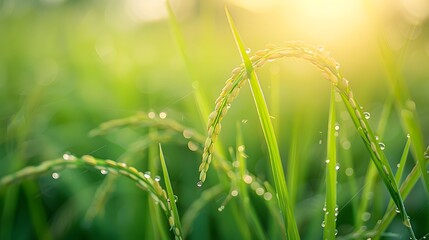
point(67, 66)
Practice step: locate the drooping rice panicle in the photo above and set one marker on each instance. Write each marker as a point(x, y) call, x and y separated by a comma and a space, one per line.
point(331, 71)
point(142, 180)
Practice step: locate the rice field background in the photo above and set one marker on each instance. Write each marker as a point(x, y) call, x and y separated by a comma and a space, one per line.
point(98, 94)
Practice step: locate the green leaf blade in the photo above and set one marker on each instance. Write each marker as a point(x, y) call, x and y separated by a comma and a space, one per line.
point(268, 130)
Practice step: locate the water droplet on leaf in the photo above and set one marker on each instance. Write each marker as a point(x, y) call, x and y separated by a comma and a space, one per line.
point(367, 115)
point(162, 115)
point(55, 175)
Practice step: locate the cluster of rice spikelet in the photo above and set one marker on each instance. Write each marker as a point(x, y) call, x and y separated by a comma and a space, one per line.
point(142, 180)
point(315, 55)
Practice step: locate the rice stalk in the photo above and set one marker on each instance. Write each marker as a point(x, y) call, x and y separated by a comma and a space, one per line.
point(371, 173)
point(142, 180)
point(293, 171)
point(330, 209)
point(331, 71)
point(246, 206)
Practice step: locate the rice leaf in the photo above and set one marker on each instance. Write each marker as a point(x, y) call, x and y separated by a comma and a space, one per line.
point(171, 199)
point(268, 130)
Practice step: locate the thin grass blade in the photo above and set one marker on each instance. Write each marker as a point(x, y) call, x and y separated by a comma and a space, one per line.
point(174, 216)
point(401, 164)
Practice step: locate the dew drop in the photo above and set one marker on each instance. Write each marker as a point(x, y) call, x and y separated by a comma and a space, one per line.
point(234, 193)
point(241, 148)
point(346, 144)
point(337, 167)
point(151, 115)
point(244, 121)
point(221, 208)
point(337, 65)
point(336, 232)
point(157, 178)
point(236, 164)
point(323, 224)
point(248, 50)
point(398, 165)
point(349, 172)
point(162, 115)
point(382, 146)
point(324, 208)
point(268, 196)
point(228, 105)
point(408, 135)
point(327, 161)
point(192, 146)
point(367, 115)
point(68, 157)
point(397, 210)
point(188, 133)
point(55, 175)
point(337, 127)
point(104, 171)
point(199, 184)
point(260, 191)
point(147, 174)
point(320, 141)
point(376, 138)
point(247, 179)
point(365, 216)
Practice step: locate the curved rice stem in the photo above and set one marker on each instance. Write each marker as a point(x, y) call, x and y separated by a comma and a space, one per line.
point(331, 71)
